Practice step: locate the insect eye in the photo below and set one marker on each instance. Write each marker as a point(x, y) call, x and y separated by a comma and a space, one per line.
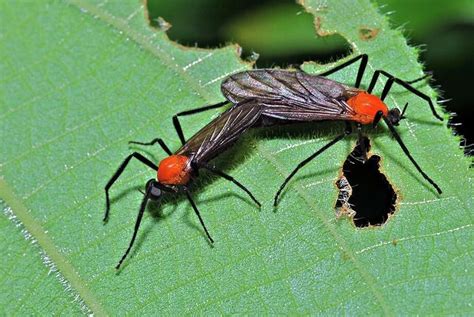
point(155, 192)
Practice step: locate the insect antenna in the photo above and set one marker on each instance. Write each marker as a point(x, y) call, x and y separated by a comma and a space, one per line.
point(402, 116)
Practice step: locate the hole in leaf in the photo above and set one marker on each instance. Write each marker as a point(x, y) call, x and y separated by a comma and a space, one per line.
point(365, 195)
point(367, 33)
point(279, 31)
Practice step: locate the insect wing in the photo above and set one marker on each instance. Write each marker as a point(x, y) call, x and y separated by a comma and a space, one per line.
point(291, 95)
point(221, 132)
point(263, 84)
point(324, 88)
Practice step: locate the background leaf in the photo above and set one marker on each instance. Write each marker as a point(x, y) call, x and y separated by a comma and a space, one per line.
point(81, 79)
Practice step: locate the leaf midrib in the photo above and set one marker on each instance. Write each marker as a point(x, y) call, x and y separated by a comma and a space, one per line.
point(48, 246)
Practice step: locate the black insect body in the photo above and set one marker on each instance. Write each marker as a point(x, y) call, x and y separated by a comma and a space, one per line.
point(294, 96)
point(175, 172)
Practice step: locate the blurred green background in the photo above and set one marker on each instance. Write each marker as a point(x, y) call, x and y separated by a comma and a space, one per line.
point(283, 34)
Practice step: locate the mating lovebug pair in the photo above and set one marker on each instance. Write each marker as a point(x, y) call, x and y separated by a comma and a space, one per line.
point(266, 97)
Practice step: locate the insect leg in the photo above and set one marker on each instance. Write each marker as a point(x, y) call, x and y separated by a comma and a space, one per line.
point(230, 178)
point(153, 142)
point(426, 75)
point(363, 63)
point(117, 174)
point(198, 214)
point(137, 226)
point(407, 153)
point(310, 158)
point(405, 84)
point(177, 125)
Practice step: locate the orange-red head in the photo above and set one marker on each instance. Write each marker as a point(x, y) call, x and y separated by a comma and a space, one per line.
point(174, 170)
point(366, 107)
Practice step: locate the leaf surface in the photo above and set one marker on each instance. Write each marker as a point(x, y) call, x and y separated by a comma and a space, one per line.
point(80, 79)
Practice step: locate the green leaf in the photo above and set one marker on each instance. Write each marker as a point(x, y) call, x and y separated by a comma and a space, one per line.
point(80, 79)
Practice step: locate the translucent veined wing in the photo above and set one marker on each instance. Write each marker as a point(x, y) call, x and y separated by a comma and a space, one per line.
point(291, 95)
point(221, 132)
